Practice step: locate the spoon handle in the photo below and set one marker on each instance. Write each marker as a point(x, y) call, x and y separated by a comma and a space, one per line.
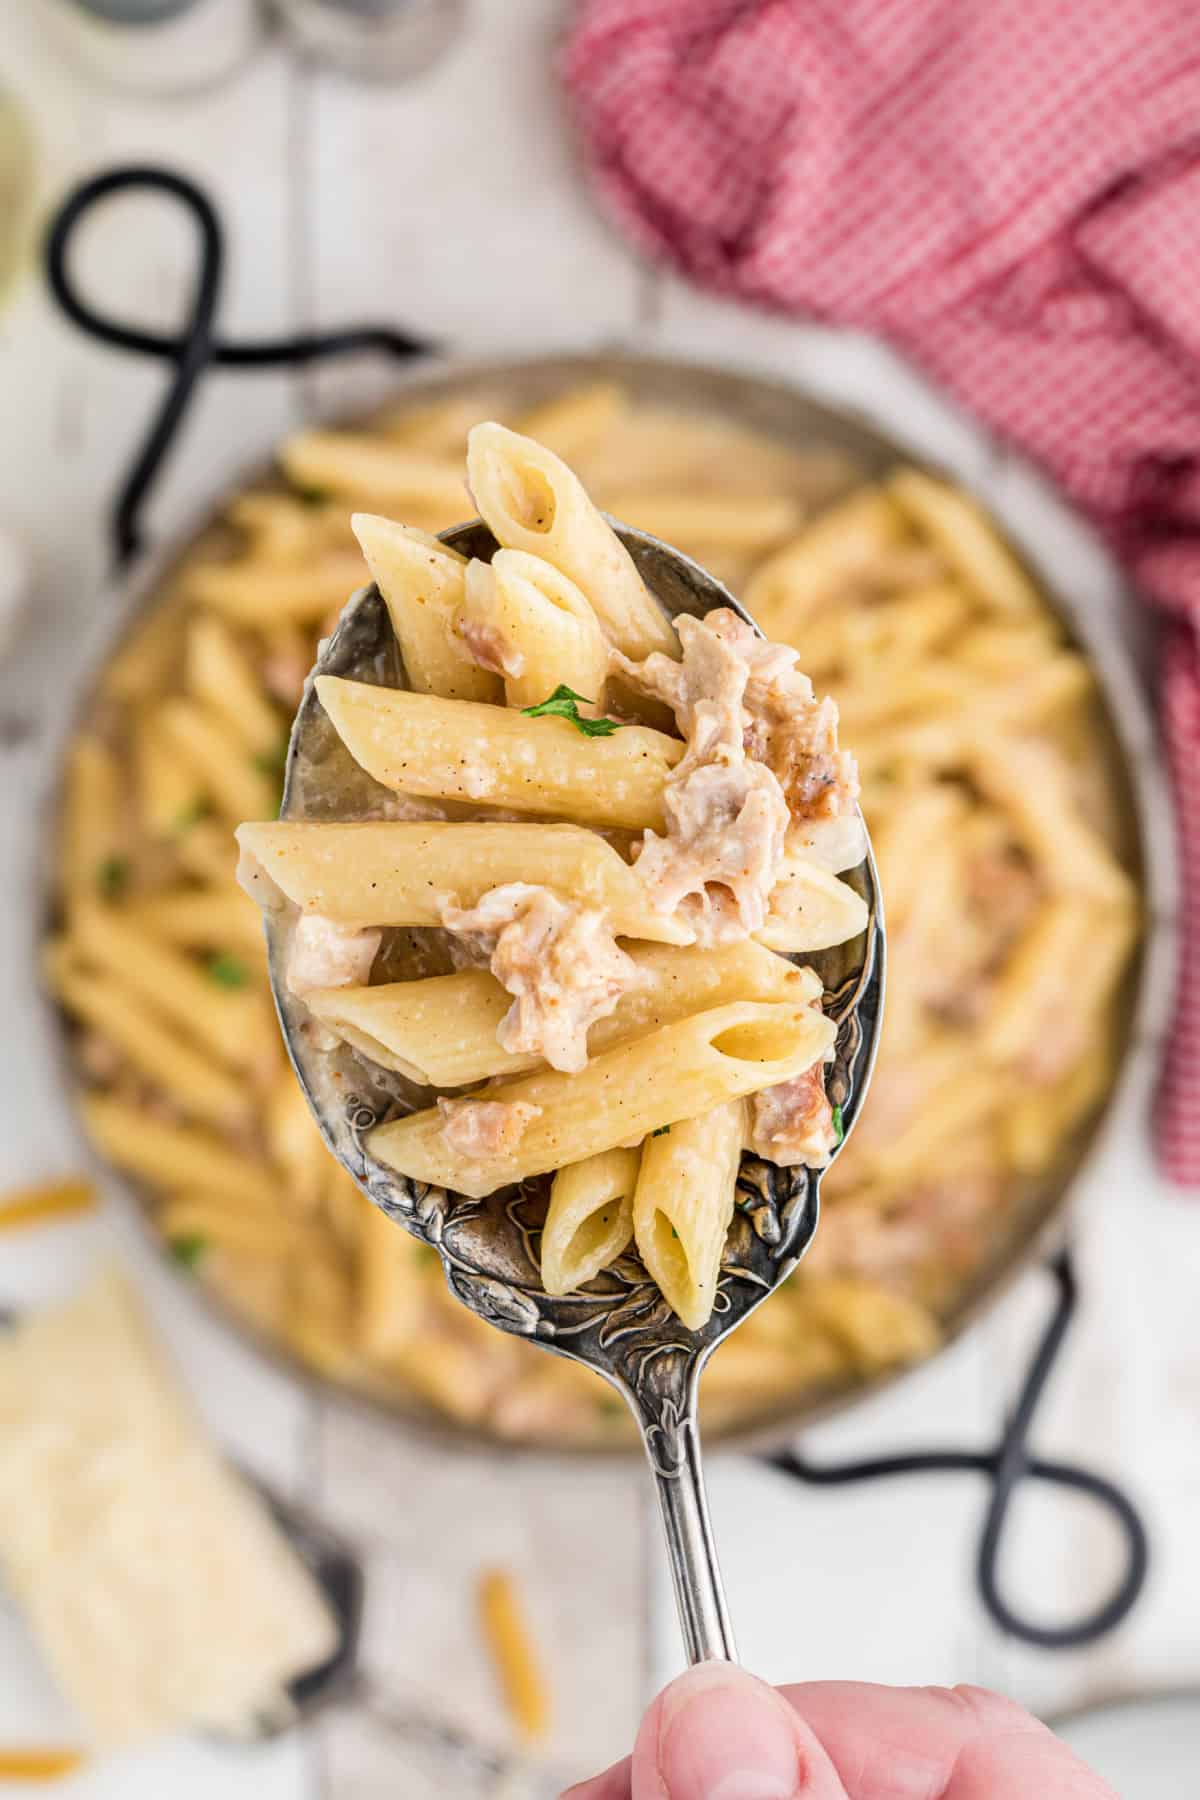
point(695, 1571)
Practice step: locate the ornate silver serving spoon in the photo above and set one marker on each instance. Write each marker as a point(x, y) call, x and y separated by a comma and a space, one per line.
point(619, 1324)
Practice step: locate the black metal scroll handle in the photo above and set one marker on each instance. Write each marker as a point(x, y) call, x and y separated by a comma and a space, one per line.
point(1005, 1466)
point(195, 346)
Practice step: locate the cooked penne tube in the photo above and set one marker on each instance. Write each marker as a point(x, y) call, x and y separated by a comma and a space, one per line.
point(221, 676)
point(878, 1327)
point(513, 1654)
point(221, 1222)
point(295, 1143)
point(684, 1201)
point(442, 1031)
point(589, 1220)
point(1036, 980)
point(227, 770)
point(572, 422)
point(968, 542)
point(374, 471)
point(176, 1156)
point(837, 548)
point(251, 593)
point(207, 850)
point(213, 918)
point(391, 1284)
point(465, 750)
point(202, 1089)
point(228, 1023)
point(1031, 783)
point(547, 633)
point(169, 791)
point(533, 502)
point(402, 874)
point(423, 582)
point(283, 528)
point(750, 523)
point(623, 1094)
point(90, 837)
point(811, 910)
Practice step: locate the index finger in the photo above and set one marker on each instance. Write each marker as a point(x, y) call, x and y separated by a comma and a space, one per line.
point(961, 1743)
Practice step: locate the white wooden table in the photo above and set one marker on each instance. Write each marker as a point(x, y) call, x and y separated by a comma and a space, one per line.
point(343, 203)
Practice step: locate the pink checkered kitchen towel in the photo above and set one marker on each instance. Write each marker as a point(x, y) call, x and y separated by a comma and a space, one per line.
point(1009, 190)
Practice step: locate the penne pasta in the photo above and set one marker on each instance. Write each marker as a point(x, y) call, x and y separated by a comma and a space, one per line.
point(402, 874)
point(373, 471)
point(226, 1022)
point(513, 1654)
point(226, 770)
point(203, 1090)
point(811, 910)
point(296, 1145)
point(983, 782)
point(589, 1218)
point(176, 1156)
point(423, 582)
point(464, 750)
point(571, 423)
point(837, 548)
point(623, 1094)
point(547, 634)
point(1031, 785)
point(533, 502)
point(221, 676)
point(747, 523)
point(683, 1205)
point(392, 1266)
point(212, 918)
point(90, 836)
point(1036, 980)
point(964, 537)
point(301, 593)
point(442, 1031)
point(170, 794)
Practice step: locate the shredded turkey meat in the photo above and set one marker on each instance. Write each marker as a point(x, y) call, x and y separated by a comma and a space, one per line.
point(326, 954)
point(559, 961)
point(726, 815)
point(490, 648)
point(784, 727)
point(481, 1128)
point(792, 1123)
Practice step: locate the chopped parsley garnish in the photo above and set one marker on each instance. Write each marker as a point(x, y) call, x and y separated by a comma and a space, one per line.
point(189, 1249)
point(564, 704)
point(661, 1132)
point(610, 1404)
point(839, 1129)
point(112, 876)
point(192, 815)
point(228, 971)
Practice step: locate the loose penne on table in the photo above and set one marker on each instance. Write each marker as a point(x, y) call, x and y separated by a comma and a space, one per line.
point(534, 767)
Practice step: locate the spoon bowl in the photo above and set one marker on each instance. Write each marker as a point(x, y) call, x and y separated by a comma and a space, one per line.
point(619, 1324)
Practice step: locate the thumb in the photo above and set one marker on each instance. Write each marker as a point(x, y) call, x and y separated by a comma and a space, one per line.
point(718, 1734)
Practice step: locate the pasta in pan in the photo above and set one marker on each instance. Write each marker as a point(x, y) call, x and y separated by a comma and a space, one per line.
point(913, 632)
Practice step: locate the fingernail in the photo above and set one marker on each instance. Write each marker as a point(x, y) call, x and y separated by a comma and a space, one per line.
point(725, 1736)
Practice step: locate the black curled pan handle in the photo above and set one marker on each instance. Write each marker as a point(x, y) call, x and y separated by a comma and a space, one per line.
point(1005, 1466)
point(196, 346)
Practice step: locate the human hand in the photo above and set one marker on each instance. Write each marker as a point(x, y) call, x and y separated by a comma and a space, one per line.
point(718, 1734)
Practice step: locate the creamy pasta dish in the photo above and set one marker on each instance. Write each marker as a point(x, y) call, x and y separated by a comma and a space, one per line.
point(623, 1018)
point(1011, 918)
